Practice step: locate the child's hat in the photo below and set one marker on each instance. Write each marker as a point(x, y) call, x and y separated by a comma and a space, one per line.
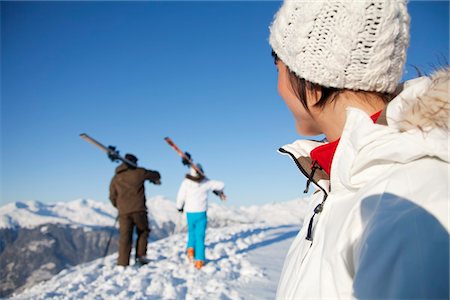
point(359, 45)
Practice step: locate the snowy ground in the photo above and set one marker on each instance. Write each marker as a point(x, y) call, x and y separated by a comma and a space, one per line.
point(244, 262)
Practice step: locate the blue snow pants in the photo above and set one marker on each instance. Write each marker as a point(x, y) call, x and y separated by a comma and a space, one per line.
point(196, 233)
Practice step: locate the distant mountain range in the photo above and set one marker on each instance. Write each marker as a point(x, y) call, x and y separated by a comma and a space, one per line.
point(38, 240)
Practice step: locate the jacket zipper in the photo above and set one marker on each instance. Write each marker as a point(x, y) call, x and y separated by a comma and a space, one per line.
point(318, 209)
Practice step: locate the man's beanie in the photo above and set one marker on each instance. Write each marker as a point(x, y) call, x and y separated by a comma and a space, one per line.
point(131, 157)
point(359, 45)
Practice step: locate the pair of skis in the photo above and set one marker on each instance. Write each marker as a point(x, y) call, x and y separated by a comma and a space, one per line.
point(114, 155)
point(184, 156)
point(169, 141)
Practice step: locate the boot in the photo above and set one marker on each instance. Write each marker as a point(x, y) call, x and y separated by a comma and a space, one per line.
point(190, 254)
point(198, 264)
point(142, 260)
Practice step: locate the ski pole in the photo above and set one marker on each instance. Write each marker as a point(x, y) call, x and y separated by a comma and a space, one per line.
point(110, 237)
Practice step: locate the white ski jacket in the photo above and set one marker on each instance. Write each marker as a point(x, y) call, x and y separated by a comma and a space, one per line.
point(193, 196)
point(381, 227)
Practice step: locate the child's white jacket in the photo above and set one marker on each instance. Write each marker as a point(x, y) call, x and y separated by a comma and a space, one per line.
point(193, 196)
point(383, 231)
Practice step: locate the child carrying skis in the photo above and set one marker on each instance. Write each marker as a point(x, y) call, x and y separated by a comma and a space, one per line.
point(193, 198)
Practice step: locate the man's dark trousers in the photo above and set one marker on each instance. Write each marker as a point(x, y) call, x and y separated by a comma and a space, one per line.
point(127, 222)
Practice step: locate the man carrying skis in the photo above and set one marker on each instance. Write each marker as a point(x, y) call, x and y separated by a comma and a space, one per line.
point(193, 198)
point(127, 194)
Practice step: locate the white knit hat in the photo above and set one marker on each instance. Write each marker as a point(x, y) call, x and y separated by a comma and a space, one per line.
point(359, 45)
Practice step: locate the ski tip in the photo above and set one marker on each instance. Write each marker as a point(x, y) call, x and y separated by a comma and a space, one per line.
point(83, 134)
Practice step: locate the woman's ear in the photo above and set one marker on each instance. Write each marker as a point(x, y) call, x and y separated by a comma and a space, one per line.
point(312, 95)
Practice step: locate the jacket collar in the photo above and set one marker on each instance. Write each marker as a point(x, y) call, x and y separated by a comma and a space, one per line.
point(122, 168)
point(197, 179)
point(300, 151)
point(324, 154)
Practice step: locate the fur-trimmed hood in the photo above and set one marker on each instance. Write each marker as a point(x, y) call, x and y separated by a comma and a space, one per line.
point(418, 128)
point(423, 104)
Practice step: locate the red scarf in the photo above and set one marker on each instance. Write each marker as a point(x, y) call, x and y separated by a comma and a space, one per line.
point(324, 154)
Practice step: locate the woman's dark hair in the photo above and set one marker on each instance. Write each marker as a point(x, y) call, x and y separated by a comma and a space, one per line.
point(301, 86)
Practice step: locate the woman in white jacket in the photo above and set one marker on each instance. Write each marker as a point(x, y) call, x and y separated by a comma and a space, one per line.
point(193, 199)
point(378, 224)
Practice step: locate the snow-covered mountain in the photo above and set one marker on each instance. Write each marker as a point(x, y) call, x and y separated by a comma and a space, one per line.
point(48, 238)
point(77, 213)
point(90, 213)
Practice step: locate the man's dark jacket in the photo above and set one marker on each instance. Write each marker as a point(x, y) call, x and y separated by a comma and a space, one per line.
point(127, 191)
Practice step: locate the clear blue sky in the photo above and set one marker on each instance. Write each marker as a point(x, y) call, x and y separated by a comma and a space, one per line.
point(131, 73)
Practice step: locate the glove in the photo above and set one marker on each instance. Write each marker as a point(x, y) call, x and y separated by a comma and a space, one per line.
point(220, 194)
point(180, 210)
